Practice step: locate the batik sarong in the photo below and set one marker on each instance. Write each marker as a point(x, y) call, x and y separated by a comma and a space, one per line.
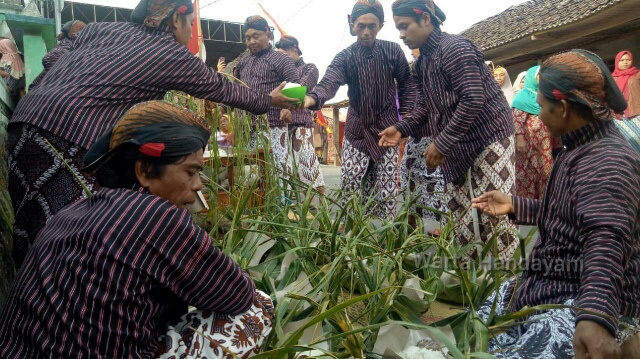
point(41, 181)
point(426, 184)
point(305, 159)
point(543, 335)
point(378, 180)
point(630, 128)
point(206, 334)
point(533, 168)
point(493, 170)
point(278, 139)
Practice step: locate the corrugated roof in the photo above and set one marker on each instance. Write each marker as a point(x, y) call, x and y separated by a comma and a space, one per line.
point(532, 17)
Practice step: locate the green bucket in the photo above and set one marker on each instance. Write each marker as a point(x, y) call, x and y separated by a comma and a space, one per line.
point(297, 92)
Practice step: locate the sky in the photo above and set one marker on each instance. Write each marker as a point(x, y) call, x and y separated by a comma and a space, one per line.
point(321, 25)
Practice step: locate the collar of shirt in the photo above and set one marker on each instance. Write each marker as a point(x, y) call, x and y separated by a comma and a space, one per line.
point(264, 51)
point(367, 51)
point(163, 31)
point(593, 131)
point(432, 43)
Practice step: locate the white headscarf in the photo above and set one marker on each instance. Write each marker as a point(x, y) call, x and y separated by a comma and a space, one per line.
point(507, 87)
point(519, 79)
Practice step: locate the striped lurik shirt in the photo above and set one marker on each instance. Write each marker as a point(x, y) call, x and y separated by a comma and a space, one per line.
point(589, 245)
point(309, 75)
point(113, 66)
point(265, 71)
point(63, 47)
point(461, 105)
point(371, 75)
point(106, 275)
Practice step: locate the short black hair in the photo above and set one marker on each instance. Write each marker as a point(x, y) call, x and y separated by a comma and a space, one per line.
point(120, 172)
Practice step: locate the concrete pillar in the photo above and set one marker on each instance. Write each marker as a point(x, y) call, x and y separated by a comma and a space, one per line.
point(34, 48)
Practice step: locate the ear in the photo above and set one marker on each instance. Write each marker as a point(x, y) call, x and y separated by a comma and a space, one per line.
point(175, 21)
point(426, 19)
point(565, 109)
point(142, 173)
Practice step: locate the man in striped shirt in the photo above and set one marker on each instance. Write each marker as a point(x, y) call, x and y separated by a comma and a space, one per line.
point(588, 252)
point(111, 276)
point(464, 111)
point(263, 70)
point(301, 127)
point(371, 68)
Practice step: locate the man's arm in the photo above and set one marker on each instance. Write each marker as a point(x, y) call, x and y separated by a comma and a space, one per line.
point(188, 264)
point(335, 77)
point(525, 210)
point(462, 67)
point(607, 206)
point(191, 75)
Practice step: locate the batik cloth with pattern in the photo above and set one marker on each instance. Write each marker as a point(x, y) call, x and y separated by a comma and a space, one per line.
point(493, 170)
point(210, 335)
point(630, 128)
point(420, 181)
point(305, 159)
point(40, 183)
point(375, 181)
point(109, 273)
point(279, 140)
point(534, 167)
point(542, 335)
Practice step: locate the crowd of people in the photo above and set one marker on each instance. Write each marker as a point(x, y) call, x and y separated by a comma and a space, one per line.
point(111, 274)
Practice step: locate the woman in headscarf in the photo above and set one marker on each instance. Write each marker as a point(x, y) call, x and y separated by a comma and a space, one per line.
point(11, 68)
point(112, 276)
point(518, 84)
point(112, 67)
point(627, 77)
point(533, 143)
point(587, 258)
point(502, 78)
point(69, 33)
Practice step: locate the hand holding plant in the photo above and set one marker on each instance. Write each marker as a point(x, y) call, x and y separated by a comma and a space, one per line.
point(493, 203)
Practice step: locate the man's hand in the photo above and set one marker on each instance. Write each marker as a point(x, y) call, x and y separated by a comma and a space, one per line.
point(493, 203)
point(3, 73)
point(286, 116)
point(281, 101)
point(593, 341)
point(221, 64)
point(521, 145)
point(390, 137)
point(308, 102)
point(435, 159)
